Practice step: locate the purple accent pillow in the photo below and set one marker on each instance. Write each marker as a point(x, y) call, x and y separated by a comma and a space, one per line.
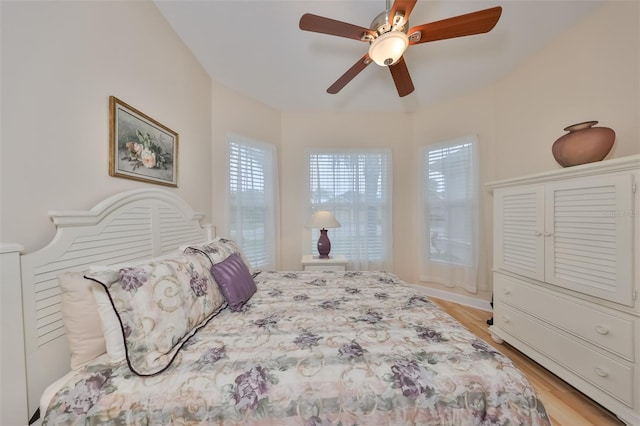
point(234, 280)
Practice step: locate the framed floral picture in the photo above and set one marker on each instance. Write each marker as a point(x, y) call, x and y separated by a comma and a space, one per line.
point(140, 148)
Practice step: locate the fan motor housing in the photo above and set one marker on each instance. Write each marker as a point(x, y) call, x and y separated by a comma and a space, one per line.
point(382, 25)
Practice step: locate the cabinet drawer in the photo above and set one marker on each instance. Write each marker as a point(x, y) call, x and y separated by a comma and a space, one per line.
point(590, 322)
point(607, 374)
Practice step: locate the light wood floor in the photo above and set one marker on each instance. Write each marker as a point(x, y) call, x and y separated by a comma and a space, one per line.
point(565, 405)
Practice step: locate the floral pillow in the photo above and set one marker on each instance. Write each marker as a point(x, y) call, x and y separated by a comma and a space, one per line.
point(109, 322)
point(160, 304)
point(218, 250)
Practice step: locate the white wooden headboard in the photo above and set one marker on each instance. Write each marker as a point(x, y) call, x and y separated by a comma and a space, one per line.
point(132, 225)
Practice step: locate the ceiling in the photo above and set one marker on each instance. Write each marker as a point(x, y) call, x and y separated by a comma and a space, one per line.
point(256, 48)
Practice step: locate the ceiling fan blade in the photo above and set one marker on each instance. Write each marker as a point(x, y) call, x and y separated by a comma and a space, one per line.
point(320, 24)
point(402, 6)
point(401, 77)
point(478, 22)
point(350, 74)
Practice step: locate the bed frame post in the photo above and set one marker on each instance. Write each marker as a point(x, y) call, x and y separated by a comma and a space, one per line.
point(13, 373)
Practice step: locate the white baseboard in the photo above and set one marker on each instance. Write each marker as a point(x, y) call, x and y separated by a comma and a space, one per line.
point(455, 297)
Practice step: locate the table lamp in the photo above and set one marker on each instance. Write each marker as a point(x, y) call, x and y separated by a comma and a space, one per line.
point(322, 220)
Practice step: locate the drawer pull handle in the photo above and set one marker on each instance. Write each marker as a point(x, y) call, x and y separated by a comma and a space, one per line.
point(507, 291)
point(600, 372)
point(602, 330)
point(506, 319)
point(537, 233)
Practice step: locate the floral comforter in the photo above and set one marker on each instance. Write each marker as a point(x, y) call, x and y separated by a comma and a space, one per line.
point(311, 348)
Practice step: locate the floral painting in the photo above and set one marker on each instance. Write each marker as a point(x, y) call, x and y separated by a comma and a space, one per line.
point(140, 147)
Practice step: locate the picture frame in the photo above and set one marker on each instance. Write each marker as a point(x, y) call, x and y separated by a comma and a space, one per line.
point(141, 148)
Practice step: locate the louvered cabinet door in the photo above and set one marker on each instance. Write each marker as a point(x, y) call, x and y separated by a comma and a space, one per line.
point(519, 228)
point(588, 243)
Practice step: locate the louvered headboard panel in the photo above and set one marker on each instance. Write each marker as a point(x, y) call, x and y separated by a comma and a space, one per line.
point(129, 226)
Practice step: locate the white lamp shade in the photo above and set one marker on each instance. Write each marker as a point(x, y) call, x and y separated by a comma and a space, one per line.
point(322, 219)
point(388, 48)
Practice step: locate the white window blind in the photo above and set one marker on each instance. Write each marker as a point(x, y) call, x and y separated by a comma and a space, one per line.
point(356, 188)
point(450, 213)
point(253, 199)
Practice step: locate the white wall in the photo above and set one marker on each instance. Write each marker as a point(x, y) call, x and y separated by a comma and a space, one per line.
point(60, 63)
point(404, 134)
point(471, 114)
point(234, 113)
point(591, 72)
point(303, 131)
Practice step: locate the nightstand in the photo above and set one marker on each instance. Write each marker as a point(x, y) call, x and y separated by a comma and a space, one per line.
point(332, 263)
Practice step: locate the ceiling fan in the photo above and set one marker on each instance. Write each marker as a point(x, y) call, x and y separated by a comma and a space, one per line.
point(389, 37)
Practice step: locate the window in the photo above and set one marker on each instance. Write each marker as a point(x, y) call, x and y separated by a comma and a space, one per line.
point(449, 195)
point(253, 199)
point(356, 188)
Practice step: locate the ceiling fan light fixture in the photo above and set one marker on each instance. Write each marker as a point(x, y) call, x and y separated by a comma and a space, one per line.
point(388, 48)
point(388, 38)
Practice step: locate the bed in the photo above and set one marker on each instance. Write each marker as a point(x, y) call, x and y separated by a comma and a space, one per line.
point(201, 338)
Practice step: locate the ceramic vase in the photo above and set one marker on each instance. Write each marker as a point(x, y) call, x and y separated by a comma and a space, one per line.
point(583, 144)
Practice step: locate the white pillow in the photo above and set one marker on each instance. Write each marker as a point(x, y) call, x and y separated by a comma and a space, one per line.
point(82, 322)
point(109, 324)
